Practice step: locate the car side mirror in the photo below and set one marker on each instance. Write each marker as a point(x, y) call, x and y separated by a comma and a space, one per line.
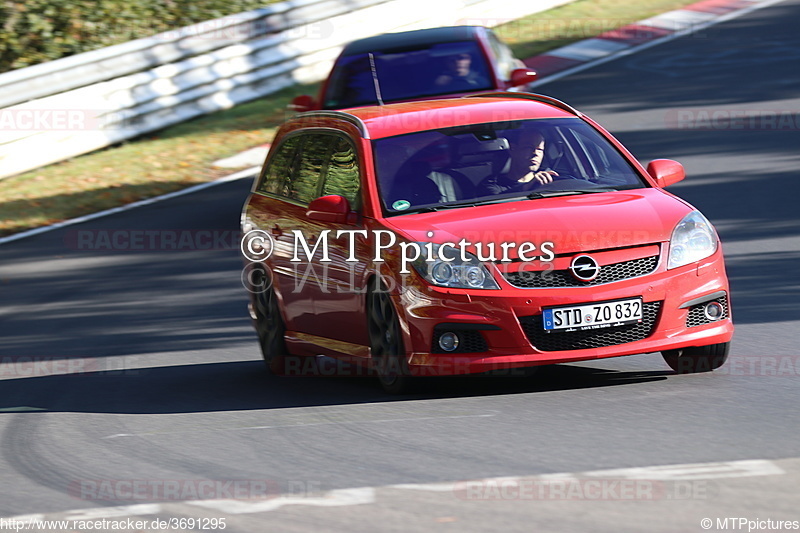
point(332, 208)
point(302, 103)
point(666, 171)
point(522, 76)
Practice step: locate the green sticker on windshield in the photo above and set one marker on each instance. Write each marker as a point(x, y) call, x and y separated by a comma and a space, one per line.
point(401, 205)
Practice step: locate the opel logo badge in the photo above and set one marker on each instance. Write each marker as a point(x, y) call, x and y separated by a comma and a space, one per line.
point(584, 268)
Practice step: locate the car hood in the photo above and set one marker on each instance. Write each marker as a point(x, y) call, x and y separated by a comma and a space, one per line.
point(573, 224)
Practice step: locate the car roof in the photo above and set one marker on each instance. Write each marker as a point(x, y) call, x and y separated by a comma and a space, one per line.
point(376, 122)
point(411, 39)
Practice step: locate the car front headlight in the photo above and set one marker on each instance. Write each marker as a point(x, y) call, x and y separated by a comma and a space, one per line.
point(692, 239)
point(450, 270)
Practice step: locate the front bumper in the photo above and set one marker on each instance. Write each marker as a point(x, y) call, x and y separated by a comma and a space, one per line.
point(501, 325)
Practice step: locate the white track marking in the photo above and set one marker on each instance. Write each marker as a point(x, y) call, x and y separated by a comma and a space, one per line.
point(728, 469)
point(680, 19)
point(367, 495)
point(695, 471)
point(113, 512)
point(589, 49)
point(334, 498)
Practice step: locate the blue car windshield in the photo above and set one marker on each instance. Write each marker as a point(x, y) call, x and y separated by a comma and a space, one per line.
point(438, 69)
point(504, 161)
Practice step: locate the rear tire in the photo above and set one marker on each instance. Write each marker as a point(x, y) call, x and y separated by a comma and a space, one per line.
point(386, 341)
point(696, 359)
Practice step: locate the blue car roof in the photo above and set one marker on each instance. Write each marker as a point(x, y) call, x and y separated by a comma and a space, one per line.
point(412, 39)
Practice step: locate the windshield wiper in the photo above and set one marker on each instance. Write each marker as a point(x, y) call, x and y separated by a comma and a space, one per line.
point(429, 209)
point(486, 201)
point(549, 194)
point(489, 201)
point(455, 205)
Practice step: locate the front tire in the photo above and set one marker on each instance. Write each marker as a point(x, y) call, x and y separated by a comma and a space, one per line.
point(271, 330)
point(696, 359)
point(386, 341)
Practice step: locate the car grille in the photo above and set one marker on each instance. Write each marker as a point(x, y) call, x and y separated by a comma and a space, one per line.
point(593, 338)
point(563, 278)
point(697, 317)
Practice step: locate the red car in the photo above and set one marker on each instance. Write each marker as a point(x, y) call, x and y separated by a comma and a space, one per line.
point(457, 236)
point(418, 65)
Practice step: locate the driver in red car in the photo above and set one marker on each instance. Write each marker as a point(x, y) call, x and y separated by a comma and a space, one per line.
point(526, 168)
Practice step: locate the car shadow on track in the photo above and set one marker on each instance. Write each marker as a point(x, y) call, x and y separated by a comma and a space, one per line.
point(245, 385)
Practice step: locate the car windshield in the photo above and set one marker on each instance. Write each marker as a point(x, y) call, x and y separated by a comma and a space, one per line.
point(408, 74)
point(497, 162)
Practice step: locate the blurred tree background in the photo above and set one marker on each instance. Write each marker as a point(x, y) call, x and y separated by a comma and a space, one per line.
point(36, 31)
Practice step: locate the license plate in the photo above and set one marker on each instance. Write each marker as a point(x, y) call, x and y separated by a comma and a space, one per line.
point(593, 316)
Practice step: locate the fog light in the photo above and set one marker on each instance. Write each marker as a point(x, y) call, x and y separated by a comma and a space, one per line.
point(448, 341)
point(713, 311)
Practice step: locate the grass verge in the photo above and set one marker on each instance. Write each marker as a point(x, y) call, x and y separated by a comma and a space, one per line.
point(181, 155)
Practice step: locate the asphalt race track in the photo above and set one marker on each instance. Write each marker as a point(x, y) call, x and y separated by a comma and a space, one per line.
point(119, 366)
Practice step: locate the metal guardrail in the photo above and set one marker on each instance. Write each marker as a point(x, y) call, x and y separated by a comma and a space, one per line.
point(71, 106)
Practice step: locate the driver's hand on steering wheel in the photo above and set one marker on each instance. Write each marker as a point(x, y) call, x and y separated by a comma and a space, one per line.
point(542, 176)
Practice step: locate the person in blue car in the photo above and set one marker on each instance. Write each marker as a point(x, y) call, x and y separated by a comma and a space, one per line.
point(459, 75)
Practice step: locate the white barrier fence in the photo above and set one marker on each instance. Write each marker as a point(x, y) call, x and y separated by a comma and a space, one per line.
point(71, 106)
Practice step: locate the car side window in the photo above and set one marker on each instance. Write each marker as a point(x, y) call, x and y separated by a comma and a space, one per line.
point(343, 176)
point(280, 167)
point(311, 165)
point(303, 185)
